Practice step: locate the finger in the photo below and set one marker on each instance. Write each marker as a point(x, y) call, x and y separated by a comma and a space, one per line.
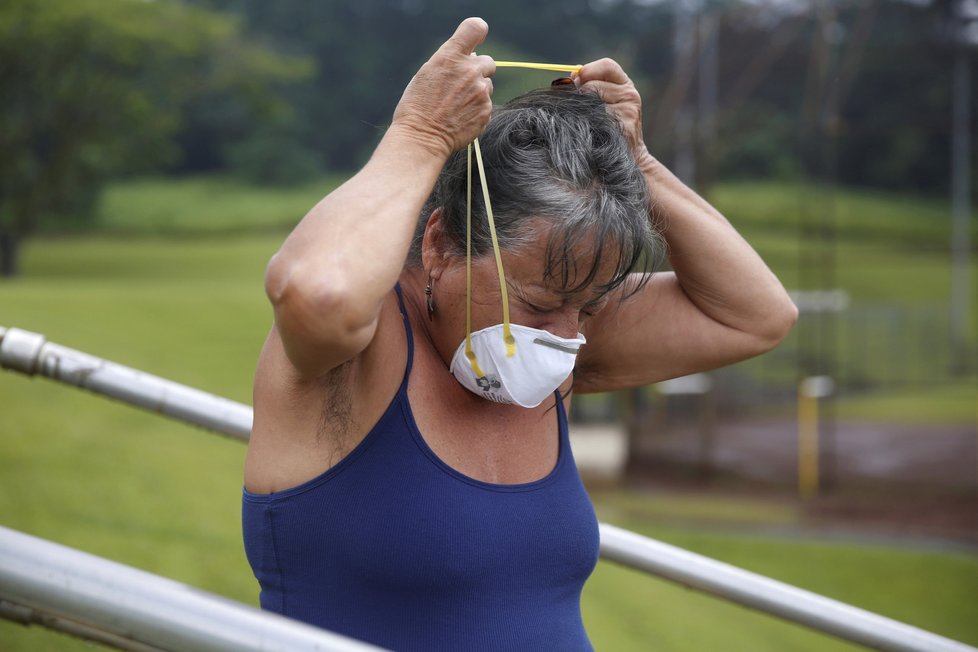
point(603, 70)
point(470, 33)
point(610, 92)
point(487, 65)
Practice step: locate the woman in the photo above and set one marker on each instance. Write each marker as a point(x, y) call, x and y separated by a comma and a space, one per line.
point(409, 481)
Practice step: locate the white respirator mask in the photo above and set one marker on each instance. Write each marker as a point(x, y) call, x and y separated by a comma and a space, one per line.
point(507, 363)
point(541, 363)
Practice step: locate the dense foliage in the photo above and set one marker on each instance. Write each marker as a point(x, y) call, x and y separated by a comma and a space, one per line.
point(857, 91)
point(99, 88)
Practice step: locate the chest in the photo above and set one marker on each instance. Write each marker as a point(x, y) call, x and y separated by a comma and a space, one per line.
point(405, 525)
point(490, 442)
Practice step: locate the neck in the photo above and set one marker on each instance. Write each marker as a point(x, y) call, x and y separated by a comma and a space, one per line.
point(428, 329)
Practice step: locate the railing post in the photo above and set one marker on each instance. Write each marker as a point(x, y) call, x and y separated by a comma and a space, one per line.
point(810, 391)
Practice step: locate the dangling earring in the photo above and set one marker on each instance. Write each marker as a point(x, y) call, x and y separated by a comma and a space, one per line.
point(431, 301)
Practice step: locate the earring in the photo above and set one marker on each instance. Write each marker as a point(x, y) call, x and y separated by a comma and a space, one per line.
point(431, 301)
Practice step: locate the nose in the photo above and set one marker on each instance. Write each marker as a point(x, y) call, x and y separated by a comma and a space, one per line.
point(564, 323)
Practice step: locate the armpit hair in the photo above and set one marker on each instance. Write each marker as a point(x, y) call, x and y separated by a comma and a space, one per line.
point(336, 423)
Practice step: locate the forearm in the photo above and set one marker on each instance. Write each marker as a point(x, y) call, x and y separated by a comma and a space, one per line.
point(354, 241)
point(717, 269)
point(328, 281)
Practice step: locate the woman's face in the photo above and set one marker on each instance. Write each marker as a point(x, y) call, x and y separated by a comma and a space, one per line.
point(535, 300)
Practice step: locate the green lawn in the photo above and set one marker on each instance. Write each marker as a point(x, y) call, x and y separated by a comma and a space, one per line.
point(217, 204)
point(889, 248)
point(858, 215)
point(104, 477)
point(629, 611)
point(205, 204)
point(165, 497)
point(947, 403)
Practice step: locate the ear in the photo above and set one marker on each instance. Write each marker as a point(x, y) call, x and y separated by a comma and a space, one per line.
point(435, 246)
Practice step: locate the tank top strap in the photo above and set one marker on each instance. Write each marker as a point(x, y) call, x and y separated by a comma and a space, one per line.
point(410, 337)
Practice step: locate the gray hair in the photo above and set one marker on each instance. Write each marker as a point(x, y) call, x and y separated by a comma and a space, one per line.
point(559, 155)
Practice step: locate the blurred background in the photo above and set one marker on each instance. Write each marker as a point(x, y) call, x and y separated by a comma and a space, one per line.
point(156, 153)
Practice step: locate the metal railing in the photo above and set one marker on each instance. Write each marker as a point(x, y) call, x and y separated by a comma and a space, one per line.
point(113, 604)
point(29, 353)
point(769, 596)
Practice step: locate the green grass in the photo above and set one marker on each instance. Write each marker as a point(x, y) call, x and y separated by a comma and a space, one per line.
point(165, 497)
point(696, 509)
point(107, 478)
point(859, 215)
point(946, 403)
point(650, 613)
point(891, 258)
point(205, 204)
point(936, 591)
point(889, 248)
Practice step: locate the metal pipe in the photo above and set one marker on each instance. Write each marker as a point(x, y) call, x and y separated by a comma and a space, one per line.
point(102, 600)
point(961, 295)
point(30, 353)
point(767, 595)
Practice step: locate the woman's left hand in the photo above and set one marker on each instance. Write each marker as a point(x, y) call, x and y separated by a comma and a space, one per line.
point(719, 305)
point(607, 78)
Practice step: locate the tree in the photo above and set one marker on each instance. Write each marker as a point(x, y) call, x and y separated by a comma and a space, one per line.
point(93, 88)
point(367, 50)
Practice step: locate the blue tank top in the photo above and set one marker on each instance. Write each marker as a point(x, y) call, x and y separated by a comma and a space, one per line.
point(394, 547)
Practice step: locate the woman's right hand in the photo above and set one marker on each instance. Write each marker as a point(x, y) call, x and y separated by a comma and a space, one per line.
point(328, 296)
point(448, 102)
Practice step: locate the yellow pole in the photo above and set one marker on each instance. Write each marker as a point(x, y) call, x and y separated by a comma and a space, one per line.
point(807, 440)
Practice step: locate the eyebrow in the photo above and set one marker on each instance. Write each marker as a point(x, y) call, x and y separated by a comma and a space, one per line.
point(599, 299)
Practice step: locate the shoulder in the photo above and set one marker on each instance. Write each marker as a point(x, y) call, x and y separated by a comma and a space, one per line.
point(302, 427)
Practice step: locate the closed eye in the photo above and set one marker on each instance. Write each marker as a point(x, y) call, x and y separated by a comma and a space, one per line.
point(591, 309)
point(542, 310)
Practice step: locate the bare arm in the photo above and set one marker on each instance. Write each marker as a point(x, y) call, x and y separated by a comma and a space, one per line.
point(328, 281)
point(722, 304)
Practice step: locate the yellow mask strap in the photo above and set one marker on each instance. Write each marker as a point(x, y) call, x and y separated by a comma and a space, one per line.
point(507, 334)
point(556, 67)
point(469, 353)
